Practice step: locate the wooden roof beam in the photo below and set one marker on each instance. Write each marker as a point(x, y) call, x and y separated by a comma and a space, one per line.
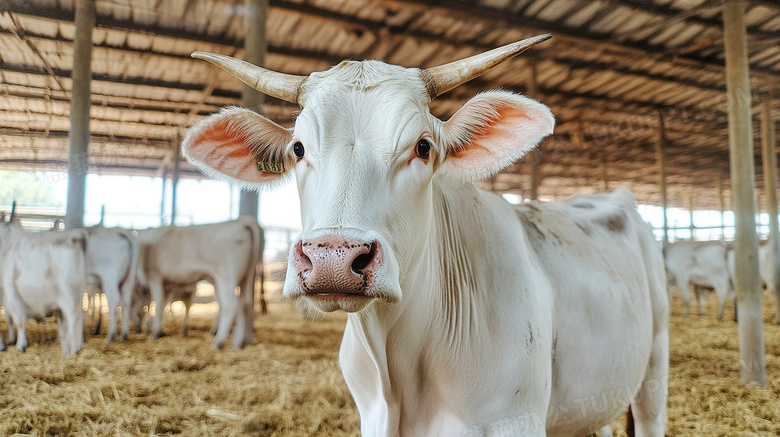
point(162, 143)
point(643, 106)
point(60, 14)
point(470, 11)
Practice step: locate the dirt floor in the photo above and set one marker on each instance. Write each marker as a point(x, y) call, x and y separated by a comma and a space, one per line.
point(288, 383)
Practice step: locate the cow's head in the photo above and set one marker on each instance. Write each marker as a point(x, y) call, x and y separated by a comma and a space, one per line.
point(364, 150)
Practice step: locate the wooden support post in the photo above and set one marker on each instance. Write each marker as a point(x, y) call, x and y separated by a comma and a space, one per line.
point(660, 158)
point(78, 158)
point(769, 149)
point(255, 46)
point(532, 92)
point(722, 205)
point(162, 198)
point(175, 179)
point(751, 329)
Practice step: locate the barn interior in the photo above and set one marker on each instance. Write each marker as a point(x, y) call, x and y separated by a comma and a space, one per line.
point(642, 97)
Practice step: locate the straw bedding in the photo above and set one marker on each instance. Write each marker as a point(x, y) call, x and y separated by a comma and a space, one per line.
point(288, 382)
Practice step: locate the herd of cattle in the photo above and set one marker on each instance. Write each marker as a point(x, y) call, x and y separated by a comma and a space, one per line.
point(47, 273)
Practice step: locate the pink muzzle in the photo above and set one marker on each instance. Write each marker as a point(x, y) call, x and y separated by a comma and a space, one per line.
point(333, 265)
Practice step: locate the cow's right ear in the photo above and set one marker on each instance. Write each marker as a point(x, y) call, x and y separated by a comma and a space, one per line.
point(240, 146)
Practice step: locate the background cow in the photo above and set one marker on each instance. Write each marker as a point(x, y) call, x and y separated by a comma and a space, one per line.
point(700, 264)
point(225, 254)
point(142, 299)
point(42, 273)
point(111, 267)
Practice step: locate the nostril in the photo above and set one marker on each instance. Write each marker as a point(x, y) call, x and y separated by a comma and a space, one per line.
point(362, 261)
point(302, 261)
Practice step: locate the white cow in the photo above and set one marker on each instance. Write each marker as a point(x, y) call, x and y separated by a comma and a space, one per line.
point(701, 264)
point(226, 254)
point(42, 273)
point(142, 298)
point(467, 316)
point(766, 261)
point(111, 267)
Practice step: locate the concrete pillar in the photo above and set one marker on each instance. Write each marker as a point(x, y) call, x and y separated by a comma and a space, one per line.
point(532, 93)
point(769, 149)
point(660, 157)
point(78, 162)
point(747, 284)
point(255, 47)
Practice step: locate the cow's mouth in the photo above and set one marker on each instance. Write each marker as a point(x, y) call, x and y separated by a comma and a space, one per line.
point(336, 295)
point(334, 301)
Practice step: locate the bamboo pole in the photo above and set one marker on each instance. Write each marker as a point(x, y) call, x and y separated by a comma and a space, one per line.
point(175, 178)
point(660, 158)
point(769, 150)
point(751, 330)
point(162, 197)
point(722, 206)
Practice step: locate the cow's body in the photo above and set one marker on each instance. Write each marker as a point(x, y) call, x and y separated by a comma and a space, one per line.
point(43, 272)
point(701, 264)
point(111, 268)
point(225, 254)
point(461, 355)
point(467, 316)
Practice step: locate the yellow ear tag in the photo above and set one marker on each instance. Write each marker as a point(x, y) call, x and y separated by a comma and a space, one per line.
point(270, 167)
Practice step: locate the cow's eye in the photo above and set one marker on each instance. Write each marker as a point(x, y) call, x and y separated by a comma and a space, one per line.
point(423, 148)
point(298, 149)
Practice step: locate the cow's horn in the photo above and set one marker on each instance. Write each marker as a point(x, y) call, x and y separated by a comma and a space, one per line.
point(445, 77)
point(282, 86)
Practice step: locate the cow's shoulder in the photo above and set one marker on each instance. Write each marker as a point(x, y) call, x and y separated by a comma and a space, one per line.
point(581, 217)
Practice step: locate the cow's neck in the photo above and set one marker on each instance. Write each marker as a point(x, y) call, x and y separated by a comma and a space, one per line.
point(448, 296)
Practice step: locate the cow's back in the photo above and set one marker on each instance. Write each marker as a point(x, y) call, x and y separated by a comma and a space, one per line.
point(188, 254)
point(607, 276)
point(109, 251)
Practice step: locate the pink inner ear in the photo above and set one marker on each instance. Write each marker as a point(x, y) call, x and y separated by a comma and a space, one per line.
point(494, 139)
point(226, 151)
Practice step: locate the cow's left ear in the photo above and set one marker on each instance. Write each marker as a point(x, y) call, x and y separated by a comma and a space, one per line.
point(490, 132)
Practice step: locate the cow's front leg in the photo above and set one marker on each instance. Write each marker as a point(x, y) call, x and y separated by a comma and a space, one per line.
point(112, 296)
point(227, 311)
point(158, 297)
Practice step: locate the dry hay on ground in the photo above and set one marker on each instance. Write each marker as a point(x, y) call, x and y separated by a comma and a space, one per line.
point(288, 383)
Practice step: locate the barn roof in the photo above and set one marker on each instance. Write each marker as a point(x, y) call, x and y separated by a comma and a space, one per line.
point(613, 69)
